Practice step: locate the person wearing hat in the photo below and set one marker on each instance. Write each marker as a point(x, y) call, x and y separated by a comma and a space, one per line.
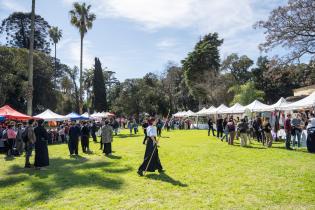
point(107, 138)
point(151, 160)
point(41, 148)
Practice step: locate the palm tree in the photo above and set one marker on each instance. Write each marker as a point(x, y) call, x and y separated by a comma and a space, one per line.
point(55, 34)
point(30, 64)
point(82, 19)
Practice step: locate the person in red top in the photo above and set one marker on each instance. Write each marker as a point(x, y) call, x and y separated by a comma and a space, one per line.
point(288, 130)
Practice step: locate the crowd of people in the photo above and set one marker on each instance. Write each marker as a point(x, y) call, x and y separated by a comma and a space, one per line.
point(261, 129)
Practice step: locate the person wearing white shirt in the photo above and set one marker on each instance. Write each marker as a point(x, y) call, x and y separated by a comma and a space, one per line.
point(151, 160)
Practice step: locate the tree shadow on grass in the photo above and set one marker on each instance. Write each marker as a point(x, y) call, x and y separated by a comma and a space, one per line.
point(166, 178)
point(123, 136)
point(64, 174)
point(115, 157)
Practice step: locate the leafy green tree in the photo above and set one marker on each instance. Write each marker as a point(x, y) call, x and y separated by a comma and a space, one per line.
point(14, 82)
point(246, 93)
point(55, 34)
point(100, 100)
point(82, 18)
point(238, 67)
point(205, 58)
point(16, 30)
point(291, 26)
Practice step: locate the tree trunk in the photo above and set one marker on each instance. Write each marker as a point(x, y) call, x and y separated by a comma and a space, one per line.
point(30, 64)
point(81, 87)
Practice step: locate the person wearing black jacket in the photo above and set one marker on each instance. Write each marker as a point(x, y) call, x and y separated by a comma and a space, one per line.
point(41, 148)
point(93, 131)
point(74, 134)
point(210, 124)
point(145, 124)
point(85, 134)
point(219, 127)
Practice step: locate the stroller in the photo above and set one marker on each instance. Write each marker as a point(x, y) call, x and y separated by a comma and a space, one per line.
point(310, 142)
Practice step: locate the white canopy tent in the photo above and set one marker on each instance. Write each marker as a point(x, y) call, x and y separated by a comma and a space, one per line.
point(220, 109)
point(257, 106)
point(179, 114)
point(210, 110)
point(307, 102)
point(235, 109)
point(190, 113)
point(279, 105)
point(86, 115)
point(49, 115)
point(202, 112)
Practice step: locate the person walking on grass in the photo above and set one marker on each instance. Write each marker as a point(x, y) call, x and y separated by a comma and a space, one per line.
point(145, 125)
point(85, 135)
point(242, 128)
point(19, 144)
point(107, 138)
point(225, 130)
point(29, 138)
point(267, 133)
point(159, 126)
point(74, 134)
point(41, 146)
point(151, 160)
point(11, 134)
point(210, 127)
point(296, 130)
point(231, 129)
point(219, 125)
point(288, 131)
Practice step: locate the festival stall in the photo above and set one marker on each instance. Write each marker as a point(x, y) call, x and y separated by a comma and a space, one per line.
point(235, 109)
point(74, 116)
point(11, 114)
point(305, 103)
point(49, 115)
point(220, 109)
point(86, 114)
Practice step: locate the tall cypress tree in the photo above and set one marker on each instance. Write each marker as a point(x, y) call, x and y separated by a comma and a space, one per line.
point(99, 88)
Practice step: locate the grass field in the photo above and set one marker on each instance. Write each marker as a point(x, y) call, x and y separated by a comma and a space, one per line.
point(201, 173)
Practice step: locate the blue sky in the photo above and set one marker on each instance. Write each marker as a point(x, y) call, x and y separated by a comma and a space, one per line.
point(134, 37)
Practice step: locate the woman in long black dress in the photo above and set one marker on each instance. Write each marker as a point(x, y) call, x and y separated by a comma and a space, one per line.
point(151, 151)
point(41, 148)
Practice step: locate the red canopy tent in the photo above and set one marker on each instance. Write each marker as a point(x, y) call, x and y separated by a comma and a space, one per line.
point(11, 114)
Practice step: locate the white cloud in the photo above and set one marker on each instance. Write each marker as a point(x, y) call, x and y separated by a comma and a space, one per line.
point(13, 5)
point(166, 43)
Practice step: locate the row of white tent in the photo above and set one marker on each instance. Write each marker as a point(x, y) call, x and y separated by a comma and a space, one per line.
point(255, 106)
point(49, 115)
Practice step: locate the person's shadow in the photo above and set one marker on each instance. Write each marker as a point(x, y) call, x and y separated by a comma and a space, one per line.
point(166, 178)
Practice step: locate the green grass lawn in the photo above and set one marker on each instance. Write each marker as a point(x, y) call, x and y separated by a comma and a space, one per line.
point(201, 173)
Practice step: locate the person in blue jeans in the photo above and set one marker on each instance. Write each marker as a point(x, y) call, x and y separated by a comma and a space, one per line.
point(296, 130)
